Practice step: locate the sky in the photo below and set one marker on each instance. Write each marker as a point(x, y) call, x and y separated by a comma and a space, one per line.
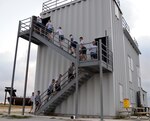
point(136, 13)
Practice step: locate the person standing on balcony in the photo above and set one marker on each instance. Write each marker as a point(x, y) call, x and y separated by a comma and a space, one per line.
point(93, 50)
point(61, 36)
point(49, 27)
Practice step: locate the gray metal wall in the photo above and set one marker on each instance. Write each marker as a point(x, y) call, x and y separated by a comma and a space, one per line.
point(130, 51)
point(90, 19)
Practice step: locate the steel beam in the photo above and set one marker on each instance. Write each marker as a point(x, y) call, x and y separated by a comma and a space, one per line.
point(101, 80)
point(14, 68)
point(77, 81)
point(27, 67)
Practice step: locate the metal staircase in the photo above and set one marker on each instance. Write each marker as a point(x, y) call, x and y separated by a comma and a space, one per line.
point(29, 30)
point(67, 88)
point(42, 38)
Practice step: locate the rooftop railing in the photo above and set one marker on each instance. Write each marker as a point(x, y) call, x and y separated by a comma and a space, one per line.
point(50, 4)
point(125, 25)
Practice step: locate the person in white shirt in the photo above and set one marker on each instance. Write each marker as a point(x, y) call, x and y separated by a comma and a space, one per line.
point(81, 41)
point(49, 27)
point(93, 50)
point(32, 99)
point(61, 36)
point(39, 20)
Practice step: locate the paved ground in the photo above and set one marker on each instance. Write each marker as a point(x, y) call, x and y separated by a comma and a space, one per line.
point(17, 110)
point(46, 118)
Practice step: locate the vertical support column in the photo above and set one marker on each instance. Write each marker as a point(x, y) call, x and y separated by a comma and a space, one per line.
point(5, 97)
point(101, 80)
point(14, 68)
point(27, 66)
point(107, 51)
point(77, 80)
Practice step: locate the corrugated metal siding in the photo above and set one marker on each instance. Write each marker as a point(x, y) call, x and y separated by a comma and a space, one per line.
point(81, 19)
point(49, 65)
point(119, 69)
point(121, 49)
point(89, 19)
point(133, 54)
point(89, 99)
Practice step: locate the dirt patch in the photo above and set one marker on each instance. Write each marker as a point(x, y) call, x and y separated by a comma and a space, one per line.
point(14, 109)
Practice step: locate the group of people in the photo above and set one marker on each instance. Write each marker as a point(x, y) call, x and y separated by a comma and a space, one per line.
point(50, 30)
point(73, 43)
point(83, 48)
point(55, 85)
point(53, 88)
point(35, 99)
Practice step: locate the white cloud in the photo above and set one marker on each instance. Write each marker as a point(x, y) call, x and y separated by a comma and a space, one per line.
point(12, 12)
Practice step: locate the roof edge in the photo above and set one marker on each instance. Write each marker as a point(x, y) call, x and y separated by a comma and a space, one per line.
point(132, 42)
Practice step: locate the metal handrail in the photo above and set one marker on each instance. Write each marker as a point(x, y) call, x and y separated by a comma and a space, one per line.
point(106, 54)
point(50, 4)
point(63, 83)
point(25, 24)
point(42, 30)
point(55, 39)
point(125, 25)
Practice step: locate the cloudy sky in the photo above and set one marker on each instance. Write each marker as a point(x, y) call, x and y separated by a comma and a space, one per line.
point(136, 13)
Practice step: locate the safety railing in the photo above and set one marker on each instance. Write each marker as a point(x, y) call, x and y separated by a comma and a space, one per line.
point(63, 81)
point(90, 52)
point(87, 51)
point(107, 56)
point(50, 4)
point(25, 24)
point(52, 37)
point(125, 25)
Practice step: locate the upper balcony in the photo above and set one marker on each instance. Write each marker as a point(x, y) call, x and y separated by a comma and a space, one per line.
point(39, 35)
